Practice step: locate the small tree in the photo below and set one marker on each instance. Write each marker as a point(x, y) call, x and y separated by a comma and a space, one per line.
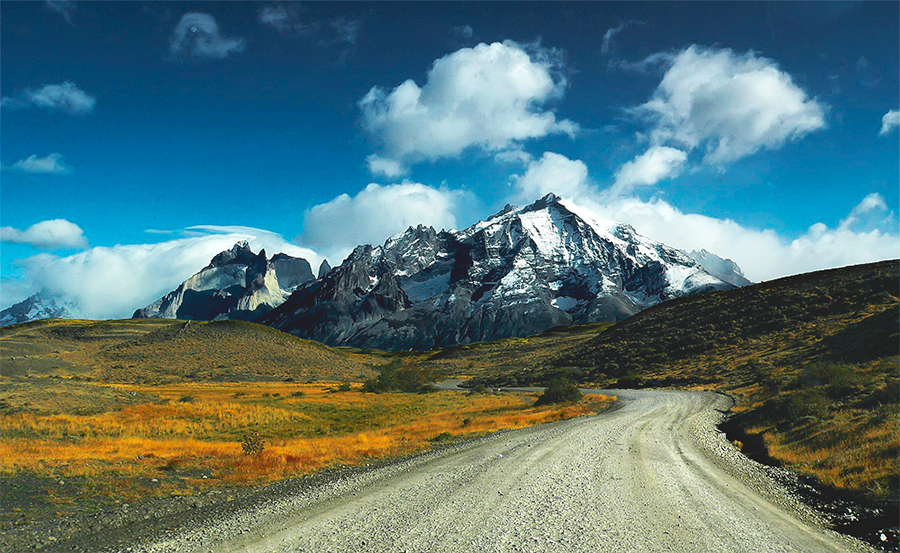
point(559, 390)
point(253, 443)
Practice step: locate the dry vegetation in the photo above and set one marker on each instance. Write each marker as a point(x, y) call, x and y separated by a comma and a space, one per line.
point(812, 360)
point(123, 409)
point(156, 351)
point(197, 428)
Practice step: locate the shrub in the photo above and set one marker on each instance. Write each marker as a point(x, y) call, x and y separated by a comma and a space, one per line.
point(559, 391)
point(253, 443)
point(186, 399)
point(442, 437)
point(298, 393)
point(395, 377)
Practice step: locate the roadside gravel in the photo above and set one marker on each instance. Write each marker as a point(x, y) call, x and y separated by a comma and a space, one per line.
point(653, 474)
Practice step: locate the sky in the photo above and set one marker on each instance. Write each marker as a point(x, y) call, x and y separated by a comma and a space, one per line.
point(137, 140)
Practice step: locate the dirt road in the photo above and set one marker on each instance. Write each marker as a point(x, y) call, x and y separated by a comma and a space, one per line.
point(652, 475)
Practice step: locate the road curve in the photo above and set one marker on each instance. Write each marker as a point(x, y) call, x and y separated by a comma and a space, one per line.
point(650, 475)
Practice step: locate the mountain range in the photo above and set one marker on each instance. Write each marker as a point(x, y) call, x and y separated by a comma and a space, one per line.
point(37, 306)
point(519, 272)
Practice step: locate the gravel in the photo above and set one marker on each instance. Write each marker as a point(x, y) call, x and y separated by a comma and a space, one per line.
point(653, 474)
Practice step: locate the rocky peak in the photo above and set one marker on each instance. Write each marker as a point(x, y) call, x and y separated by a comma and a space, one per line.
point(324, 268)
point(550, 199)
point(239, 253)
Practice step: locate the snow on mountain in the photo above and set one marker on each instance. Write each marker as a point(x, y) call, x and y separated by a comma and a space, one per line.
point(516, 273)
point(723, 269)
point(237, 284)
point(36, 307)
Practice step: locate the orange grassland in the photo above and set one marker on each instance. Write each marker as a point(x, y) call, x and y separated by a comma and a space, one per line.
point(193, 431)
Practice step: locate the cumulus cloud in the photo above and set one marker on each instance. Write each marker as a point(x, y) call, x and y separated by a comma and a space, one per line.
point(198, 35)
point(654, 165)
point(374, 214)
point(111, 282)
point(52, 164)
point(890, 121)
point(490, 97)
point(728, 105)
point(65, 8)
point(867, 233)
point(65, 97)
point(553, 173)
point(54, 234)
point(762, 254)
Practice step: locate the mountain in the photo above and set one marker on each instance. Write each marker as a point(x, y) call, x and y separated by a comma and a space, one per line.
point(723, 269)
point(33, 308)
point(324, 268)
point(237, 284)
point(520, 272)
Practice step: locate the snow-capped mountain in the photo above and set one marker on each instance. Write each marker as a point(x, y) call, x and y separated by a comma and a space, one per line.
point(519, 272)
point(721, 268)
point(35, 307)
point(237, 284)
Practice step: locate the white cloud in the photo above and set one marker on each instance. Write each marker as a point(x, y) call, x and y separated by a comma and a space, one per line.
point(488, 97)
point(374, 214)
point(54, 234)
point(65, 8)
point(654, 165)
point(553, 173)
point(871, 213)
point(111, 282)
point(286, 19)
point(513, 156)
point(52, 164)
point(66, 97)
point(389, 168)
point(728, 105)
point(890, 121)
point(868, 232)
point(198, 35)
point(762, 254)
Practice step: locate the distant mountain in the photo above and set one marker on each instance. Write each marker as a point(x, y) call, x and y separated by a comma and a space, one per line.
point(723, 269)
point(237, 284)
point(35, 307)
point(520, 272)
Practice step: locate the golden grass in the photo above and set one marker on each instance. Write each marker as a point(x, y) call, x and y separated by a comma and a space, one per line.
point(201, 436)
point(850, 452)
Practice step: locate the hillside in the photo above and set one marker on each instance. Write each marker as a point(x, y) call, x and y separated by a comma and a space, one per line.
point(161, 351)
point(811, 359)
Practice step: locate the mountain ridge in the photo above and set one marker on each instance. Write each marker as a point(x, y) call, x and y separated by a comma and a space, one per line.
point(516, 273)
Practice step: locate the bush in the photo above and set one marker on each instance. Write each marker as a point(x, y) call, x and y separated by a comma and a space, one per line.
point(395, 377)
point(186, 399)
point(253, 443)
point(559, 391)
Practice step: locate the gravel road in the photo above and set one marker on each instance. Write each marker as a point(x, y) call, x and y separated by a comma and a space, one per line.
point(652, 474)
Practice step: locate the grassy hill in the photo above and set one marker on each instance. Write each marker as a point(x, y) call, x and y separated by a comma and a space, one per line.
point(162, 351)
point(811, 359)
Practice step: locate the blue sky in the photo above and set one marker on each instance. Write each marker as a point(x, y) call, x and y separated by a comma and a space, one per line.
point(139, 139)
